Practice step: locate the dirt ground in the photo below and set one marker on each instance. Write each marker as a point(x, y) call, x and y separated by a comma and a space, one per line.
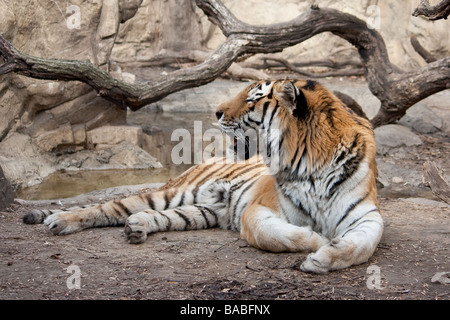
point(216, 264)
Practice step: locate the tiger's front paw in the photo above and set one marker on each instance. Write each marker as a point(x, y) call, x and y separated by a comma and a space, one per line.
point(136, 229)
point(63, 223)
point(314, 264)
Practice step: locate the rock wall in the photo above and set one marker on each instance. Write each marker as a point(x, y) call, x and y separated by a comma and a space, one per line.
point(6, 192)
point(159, 26)
point(147, 33)
point(42, 120)
point(50, 29)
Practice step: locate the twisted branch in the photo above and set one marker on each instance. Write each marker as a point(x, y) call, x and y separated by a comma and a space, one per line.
point(397, 90)
point(439, 11)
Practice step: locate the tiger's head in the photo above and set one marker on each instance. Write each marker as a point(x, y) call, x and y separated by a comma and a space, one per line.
point(306, 118)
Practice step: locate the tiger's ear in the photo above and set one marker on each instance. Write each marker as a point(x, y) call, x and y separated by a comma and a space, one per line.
point(293, 98)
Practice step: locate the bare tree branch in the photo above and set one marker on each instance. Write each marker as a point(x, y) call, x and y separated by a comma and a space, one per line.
point(432, 178)
point(168, 58)
point(439, 11)
point(339, 73)
point(396, 90)
point(428, 57)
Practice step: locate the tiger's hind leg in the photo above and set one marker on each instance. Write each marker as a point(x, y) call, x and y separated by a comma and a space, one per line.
point(183, 218)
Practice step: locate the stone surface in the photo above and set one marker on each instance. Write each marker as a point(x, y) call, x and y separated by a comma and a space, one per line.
point(159, 25)
point(6, 192)
point(79, 30)
point(42, 120)
point(50, 140)
point(131, 156)
point(394, 136)
point(25, 164)
point(423, 119)
point(111, 135)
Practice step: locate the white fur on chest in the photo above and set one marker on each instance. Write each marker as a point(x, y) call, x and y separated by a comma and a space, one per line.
point(307, 201)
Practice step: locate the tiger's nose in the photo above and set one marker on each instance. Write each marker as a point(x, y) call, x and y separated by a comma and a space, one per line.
point(219, 114)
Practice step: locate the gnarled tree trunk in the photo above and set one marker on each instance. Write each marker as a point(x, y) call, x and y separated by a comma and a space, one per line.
point(397, 90)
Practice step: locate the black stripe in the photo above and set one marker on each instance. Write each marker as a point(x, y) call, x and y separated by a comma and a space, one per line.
point(123, 207)
point(350, 208)
point(254, 121)
point(206, 219)
point(293, 158)
point(201, 209)
point(166, 199)
point(270, 95)
point(205, 169)
point(269, 144)
point(350, 166)
point(360, 223)
point(265, 106)
point(148, 198)
point(211, 212)
point(234, 188)
point(359, 218)
point(110, 222)
point(301, 106)
point(297, 203)
point(208, 176)
point(273, 113)
point(248, 124)
point(184, 217)
point(255, 99)
point(281, 143)
point(169, 222)
point(182, 199)
point(156, 221)
point(252, 182)
point(297, 167)
point(243, 170)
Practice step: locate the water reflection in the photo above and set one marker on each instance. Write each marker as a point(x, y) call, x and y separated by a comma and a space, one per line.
point(68, 184)
point(158, 126)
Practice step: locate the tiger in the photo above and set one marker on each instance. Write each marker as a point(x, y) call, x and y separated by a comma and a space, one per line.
point(320, 198)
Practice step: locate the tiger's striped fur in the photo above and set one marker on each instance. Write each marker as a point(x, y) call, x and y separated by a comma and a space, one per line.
point(321, 198)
